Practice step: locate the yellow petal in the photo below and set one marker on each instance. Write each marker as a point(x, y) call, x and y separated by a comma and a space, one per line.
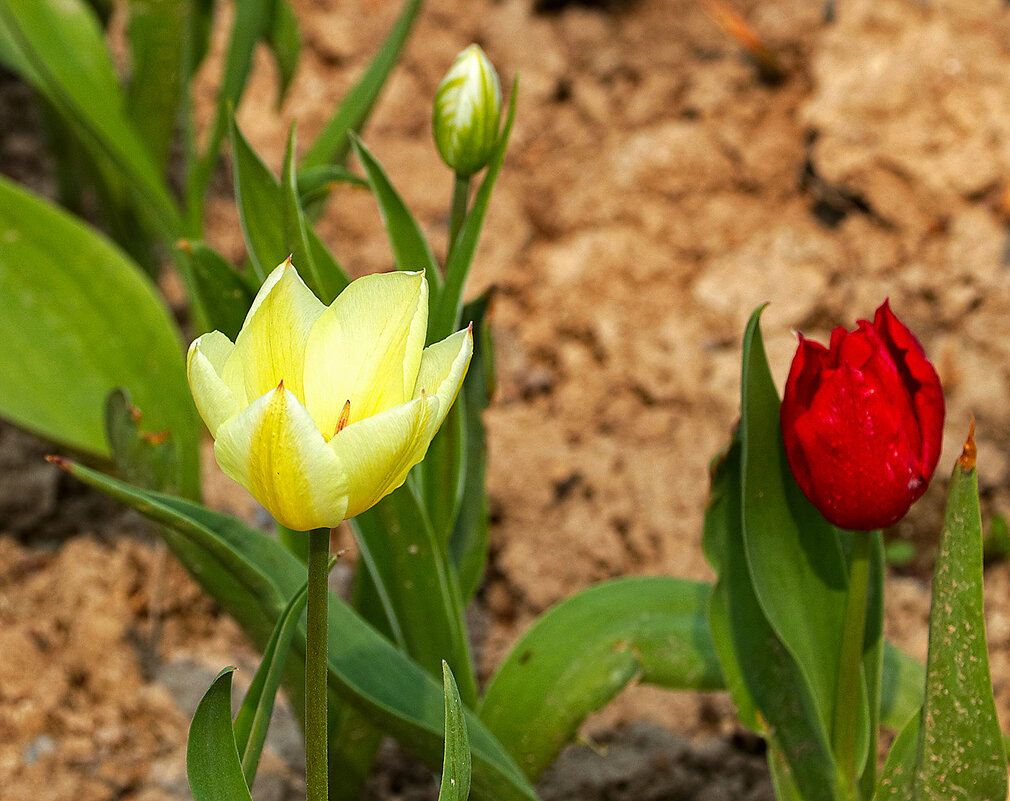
point(205, 362)
point(366, 348)
point(378, 452)
point(443, 366)
point(275, 451)
point(270, 348)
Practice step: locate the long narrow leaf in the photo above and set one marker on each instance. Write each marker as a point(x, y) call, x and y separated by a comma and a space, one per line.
point(960, 752)
point(253, 717)
point(252, 577)
point(791, 551)
point(212, 763)
point(333, 143)
point(58, 47)
point(455, 784)
point(223, 294)
point(450, 305)
point(410, 248)
point(157, 32)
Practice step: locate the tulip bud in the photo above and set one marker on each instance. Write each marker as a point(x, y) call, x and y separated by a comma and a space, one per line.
point(862, 422)
point(467, 112)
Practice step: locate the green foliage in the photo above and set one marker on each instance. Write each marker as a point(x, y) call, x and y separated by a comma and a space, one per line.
point(455, 784)
point(581, 653)
point(253, 718)
point(333, 143)
point(74, 304)
point(212, 762)
point(252, 577)
point(960, 752)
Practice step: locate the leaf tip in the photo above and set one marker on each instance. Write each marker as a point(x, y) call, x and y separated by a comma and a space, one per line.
point(59, 461)
point(969, 454)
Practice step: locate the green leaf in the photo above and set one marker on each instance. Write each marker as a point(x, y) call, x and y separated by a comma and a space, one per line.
point(897, 779)
point(315, 183)
point(252, 576)
point(145, 458)
point(157, 31)
point(253, 717)
point(764, 680)
point(285, 44)
point(321, 275)
point(333, 143)
point(582, 652)
point(212, 764)
point(960, 751)
point(791, 551)
point(468, 543)
point(271, 228)
point(450, 304)
point(58, 47)
point(455, 784)
point(225, 295)
point(79, 320)
point(408, 567)
point(410, 248)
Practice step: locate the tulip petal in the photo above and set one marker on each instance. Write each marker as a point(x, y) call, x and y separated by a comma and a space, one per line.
point(274, 450)
point(270, 348)
point(366, 348)
point(378, 452)
point(443, 366)
point(215, 400)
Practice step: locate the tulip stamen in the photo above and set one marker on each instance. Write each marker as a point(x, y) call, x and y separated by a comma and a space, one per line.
point(345, 415)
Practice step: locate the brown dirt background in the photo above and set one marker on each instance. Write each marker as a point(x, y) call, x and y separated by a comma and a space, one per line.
point(655, 193)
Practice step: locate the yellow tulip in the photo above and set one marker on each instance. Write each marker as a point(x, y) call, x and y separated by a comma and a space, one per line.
point(322, 411)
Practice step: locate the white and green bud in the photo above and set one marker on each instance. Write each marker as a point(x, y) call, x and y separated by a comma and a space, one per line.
point(467, 112)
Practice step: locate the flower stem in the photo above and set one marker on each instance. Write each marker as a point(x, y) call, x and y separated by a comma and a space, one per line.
point(847, 706)
point(460, 195)
point(316, 788)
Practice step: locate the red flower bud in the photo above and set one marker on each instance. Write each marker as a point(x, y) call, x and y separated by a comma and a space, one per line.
point(862, 422)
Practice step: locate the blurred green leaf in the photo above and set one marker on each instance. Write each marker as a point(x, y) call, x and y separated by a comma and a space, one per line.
point(410, 248)
point(253, 717)
point(212, 763)
point(447, 313)
point(145, 458)
point(897, 779)
point(468, 543)
point(791, 551)
point(270, 224)
point(315, 183)
point(223, 294)
point(455, 785)
point(996, 545)
point(252, 576)
point(765, 682)
point(319, 269)
point(285, 44)
point(582, 652)
point(157, 32)
point(58, 47)
point(414, 584)
point(333, 143)
point(960, 752)
point(80, 320)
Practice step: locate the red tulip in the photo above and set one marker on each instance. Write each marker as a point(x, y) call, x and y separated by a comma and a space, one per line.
point(862, 422)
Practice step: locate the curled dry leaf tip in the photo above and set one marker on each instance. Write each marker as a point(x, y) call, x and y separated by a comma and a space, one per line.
point(966, 461)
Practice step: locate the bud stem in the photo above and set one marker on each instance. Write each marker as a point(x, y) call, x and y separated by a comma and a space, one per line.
point(316, 776)
point(847, 706)
point(460, 196)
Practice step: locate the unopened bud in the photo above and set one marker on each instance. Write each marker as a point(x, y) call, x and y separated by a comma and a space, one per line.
point(467, 112)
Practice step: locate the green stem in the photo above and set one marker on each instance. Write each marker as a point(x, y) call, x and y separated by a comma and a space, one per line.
point(460, 195)
point(847, 694)
point(316, 775)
